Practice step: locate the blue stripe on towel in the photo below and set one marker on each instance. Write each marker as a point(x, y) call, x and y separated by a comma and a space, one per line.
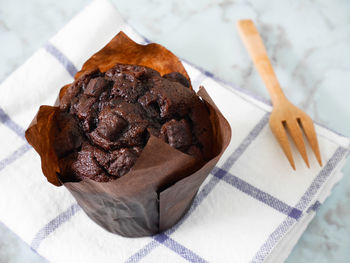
point(50, 227)
point(66, 63)
point(9, 123)
point(14, 156)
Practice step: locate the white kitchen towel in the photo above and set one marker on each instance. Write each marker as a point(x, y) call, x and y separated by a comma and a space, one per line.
point(252, 207)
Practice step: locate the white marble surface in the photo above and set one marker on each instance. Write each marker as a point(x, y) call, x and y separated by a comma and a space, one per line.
point(308, 42)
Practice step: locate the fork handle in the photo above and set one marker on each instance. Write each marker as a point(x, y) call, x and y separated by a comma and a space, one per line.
point(257, 51)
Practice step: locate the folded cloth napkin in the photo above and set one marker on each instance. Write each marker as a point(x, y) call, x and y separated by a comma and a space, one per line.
point(252, 208)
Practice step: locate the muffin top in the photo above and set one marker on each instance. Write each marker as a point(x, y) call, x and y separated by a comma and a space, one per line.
point(106, 119)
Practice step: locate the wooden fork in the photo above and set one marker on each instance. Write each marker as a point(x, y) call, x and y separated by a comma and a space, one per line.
point(284, 114)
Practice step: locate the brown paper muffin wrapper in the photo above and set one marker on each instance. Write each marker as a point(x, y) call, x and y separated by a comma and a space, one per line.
point(162, 184)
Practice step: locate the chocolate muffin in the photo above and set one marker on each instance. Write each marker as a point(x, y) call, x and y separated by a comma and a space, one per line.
point(106, 119)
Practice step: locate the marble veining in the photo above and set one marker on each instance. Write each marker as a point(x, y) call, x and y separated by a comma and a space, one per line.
point(308, 42)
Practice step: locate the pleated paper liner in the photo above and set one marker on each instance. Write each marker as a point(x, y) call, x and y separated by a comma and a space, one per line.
point(160, 187)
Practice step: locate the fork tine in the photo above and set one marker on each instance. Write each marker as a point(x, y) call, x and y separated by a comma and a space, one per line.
point(297, 136)
point(281, 136)
point(309, 130)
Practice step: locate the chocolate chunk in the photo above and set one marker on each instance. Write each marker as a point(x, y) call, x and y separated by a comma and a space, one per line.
point(173, 98)
point(96, 86)
point(150, 104)
point(87, 166)
point(177, 133)
point(121, 161)
point(74, 90)
point(84, 107)
point(110, 124)
point(178, 77)
point(86, 111)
